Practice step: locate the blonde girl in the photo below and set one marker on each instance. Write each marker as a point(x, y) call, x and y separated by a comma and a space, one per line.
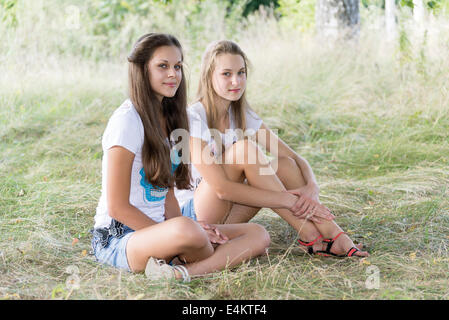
point(138, 224)
point(228, 184)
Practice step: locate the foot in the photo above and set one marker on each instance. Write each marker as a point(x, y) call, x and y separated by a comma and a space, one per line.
point(343, 244)
point(317, 245)
point(159, 270)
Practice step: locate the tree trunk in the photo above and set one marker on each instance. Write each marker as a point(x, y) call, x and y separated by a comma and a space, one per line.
point(338, 18)
point(390, 19)
point(418, 11)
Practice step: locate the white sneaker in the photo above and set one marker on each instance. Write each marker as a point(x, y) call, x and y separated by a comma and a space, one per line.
point(157, 269)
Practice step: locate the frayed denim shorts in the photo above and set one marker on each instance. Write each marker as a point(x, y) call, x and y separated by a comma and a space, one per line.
point(188, 210)
point(109, 244)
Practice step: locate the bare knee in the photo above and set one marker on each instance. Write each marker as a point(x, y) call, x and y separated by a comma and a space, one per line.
point(286, 169)
point(261, 237)
point(283, 165)
point(245, 152)
point(187, 233)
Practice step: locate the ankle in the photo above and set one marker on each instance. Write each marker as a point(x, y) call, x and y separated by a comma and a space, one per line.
point(336, 234)
point(309, 237)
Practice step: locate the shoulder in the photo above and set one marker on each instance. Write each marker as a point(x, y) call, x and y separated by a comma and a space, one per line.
point(124, 128)
point(253, 121)
point(197, 109)
point(198, 121)
point(252, 114)
point(126, 117)
point(126, 112)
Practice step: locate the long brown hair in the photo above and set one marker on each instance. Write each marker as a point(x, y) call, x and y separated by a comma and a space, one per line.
point(206, 93)
point(155, 151)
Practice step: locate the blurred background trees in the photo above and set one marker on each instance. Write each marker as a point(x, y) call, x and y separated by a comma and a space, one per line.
point(106, 28)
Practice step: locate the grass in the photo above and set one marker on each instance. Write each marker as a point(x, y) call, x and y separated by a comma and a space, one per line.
point(375, 130)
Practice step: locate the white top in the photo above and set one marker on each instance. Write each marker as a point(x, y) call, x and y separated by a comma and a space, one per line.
point(125, 129)
point(200, 129)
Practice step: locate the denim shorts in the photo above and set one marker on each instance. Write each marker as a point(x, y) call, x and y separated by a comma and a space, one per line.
point(188, 210)
point(109, 244)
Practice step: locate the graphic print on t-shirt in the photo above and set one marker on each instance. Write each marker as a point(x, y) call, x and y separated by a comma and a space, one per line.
point(151, 193)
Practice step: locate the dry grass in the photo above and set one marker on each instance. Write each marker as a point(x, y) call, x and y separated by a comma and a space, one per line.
point(375, 129)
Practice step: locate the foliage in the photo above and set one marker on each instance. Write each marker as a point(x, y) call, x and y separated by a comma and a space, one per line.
point(8, 13)
point(253, 5)
point(297, 14)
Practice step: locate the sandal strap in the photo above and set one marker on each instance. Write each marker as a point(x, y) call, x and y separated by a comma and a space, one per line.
point(351, 251)
point(309, 244)
point(335, 238)
point(330, 242)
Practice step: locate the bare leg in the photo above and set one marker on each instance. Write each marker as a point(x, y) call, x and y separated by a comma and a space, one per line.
point(291, 177)
point(246, 241)
point(179, 236)
point(185, 238)
point(237, 172)
point(210, 208)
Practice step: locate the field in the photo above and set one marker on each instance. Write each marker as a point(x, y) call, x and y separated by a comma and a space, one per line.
point(371, 116)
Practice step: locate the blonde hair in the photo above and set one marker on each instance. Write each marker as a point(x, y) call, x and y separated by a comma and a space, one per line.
point(206, 93)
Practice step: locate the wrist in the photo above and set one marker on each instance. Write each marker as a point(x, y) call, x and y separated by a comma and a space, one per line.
point(314, 185)
point(289, 201)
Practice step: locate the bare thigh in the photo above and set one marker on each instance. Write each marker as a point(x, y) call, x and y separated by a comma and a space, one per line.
point(208, 207)
point(166, 240)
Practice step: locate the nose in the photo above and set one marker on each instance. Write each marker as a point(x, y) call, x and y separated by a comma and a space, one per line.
point(171, 73)
point(234, 80)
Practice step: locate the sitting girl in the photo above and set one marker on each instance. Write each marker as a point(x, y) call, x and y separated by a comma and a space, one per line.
point(232, 179)
point(138, 224)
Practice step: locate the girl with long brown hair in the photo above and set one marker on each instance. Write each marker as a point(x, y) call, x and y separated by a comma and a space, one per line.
point(138, 224)
point(233, 179)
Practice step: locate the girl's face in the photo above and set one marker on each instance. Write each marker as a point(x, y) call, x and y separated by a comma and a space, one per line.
point(165, 68)
point(229, 77)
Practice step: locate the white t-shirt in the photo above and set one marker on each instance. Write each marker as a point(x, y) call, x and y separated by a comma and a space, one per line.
point(200, 129)
point(125, 129)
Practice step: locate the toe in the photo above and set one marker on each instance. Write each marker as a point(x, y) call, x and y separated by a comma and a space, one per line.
point(361, 254)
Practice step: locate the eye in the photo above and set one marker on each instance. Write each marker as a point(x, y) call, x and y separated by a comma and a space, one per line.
point(226, 74)
point(242, 72)
point(163, 65)
point(177, 67)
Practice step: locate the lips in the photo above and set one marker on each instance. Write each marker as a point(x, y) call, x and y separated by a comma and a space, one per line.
point(234, 90)
point(171, 85)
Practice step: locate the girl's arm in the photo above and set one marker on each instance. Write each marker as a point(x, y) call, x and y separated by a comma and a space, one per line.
point(266, 137)
point(172, 209)
point(229, 190)
point(120, 161)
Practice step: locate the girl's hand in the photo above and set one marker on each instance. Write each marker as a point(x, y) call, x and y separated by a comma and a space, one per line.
point(215, 236)
point(311, 191)
point(308, 208)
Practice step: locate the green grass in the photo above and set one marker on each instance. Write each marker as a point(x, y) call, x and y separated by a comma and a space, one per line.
point(374, 129)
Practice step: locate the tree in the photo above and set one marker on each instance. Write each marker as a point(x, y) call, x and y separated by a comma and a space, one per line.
point(338, 18)
point(390, 19)
point(418, 11)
